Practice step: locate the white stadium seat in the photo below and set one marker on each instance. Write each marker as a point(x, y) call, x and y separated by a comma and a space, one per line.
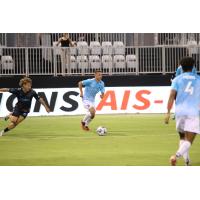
point(119, 62)
point(107, 61)
point(82, 62)
point(95, 48)
point(107, 48)
point(73, 64)
point(73, 50)
point(7, 63)
point(131, 61)
point(95, 62)
point(119, 48)
point(82, 47)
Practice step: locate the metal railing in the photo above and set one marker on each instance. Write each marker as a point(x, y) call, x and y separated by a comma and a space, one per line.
point(74, 61)
point(3, 39)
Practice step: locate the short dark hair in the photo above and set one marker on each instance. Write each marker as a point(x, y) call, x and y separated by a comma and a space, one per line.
point(187, 63)
point(97, 70)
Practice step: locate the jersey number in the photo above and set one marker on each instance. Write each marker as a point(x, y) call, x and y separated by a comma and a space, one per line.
point(189, 89)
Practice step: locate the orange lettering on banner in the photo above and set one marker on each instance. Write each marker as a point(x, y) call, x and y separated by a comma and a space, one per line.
point(125, 100)
point(112, 103)
point(140, 98)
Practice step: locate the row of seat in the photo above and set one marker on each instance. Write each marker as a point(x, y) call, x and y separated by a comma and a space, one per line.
point(94, 62)
point(106, 61)
point(95, 48)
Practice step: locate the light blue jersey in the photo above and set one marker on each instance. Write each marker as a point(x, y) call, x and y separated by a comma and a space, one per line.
point(179, 71)
point(92, 87)
point(187, 86)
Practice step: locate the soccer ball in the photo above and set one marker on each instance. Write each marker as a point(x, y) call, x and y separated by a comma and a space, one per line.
point(101, 131)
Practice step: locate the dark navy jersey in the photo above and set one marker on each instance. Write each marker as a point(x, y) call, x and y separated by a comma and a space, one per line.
point(24, 99)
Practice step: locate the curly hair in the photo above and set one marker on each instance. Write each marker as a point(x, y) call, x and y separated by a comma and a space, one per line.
point(25, 80)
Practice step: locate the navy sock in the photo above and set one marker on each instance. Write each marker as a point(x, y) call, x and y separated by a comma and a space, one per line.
point(6, 130)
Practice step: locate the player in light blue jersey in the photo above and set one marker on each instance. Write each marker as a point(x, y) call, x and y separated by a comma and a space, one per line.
point(179, 71)
point(185, 91)
point(92, 87)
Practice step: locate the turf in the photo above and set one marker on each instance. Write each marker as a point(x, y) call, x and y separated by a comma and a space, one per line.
point(142, 140)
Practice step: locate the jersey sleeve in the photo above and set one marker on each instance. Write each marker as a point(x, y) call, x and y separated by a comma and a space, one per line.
point(35, 95)
point(87, 82)
point(174, 85)
point(13, 90)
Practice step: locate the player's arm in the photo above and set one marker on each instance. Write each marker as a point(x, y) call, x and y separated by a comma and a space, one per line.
point(170, 103)
point(80, 86)
point(4, 90)
point(102, 91)
point(102, 95)
point(41, 100)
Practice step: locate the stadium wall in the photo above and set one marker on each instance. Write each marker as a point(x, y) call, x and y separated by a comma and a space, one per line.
point(71, 81)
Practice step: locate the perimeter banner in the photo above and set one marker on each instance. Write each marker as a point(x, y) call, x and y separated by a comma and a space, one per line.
point(66, 101)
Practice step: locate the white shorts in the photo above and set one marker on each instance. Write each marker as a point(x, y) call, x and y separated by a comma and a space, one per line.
point(189, 124)
point(88, 104)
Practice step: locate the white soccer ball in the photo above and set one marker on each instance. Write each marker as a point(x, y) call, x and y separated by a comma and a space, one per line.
point(101, 131)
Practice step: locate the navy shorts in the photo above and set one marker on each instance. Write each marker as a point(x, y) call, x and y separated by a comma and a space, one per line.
point(17, 112)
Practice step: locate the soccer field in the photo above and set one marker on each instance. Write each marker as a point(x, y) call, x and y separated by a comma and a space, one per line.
point(131, 140)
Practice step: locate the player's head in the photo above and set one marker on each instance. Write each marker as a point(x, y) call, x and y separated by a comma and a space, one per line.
point(187, 64)
point(98, 75)
point(26, 84)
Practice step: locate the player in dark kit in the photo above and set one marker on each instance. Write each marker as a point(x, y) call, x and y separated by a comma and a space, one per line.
point(24, 96)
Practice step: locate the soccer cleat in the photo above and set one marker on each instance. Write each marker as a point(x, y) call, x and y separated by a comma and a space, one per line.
point(85, 128)
point(187, 162)
point(173, 160)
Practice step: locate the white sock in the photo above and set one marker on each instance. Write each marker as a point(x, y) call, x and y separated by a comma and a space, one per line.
point(86, 117)
point(185, 146)
point(88, 121)
point(186, 154)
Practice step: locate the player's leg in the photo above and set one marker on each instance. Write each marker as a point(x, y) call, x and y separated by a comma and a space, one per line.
point(185, 155)
point(88, 118)
point(89, 106)
point(185, 146)
point(91, 116)
point(15, 119)
point(7, 117)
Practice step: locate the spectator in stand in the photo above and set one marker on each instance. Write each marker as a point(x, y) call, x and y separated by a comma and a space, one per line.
point(65, 42)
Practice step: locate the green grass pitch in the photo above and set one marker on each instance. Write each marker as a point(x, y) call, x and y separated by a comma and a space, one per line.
point(141, 140)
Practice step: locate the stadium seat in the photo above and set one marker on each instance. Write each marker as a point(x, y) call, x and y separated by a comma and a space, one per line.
point(119, 62)
point(107, 61)
point(73, 50)
point(95, 62)
point(95, 48)
point(131, 61)
point(82, 62)
point(107, 48)
point(7, 63)
point(118, 48)
point(82, 47)
point(73, 64)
